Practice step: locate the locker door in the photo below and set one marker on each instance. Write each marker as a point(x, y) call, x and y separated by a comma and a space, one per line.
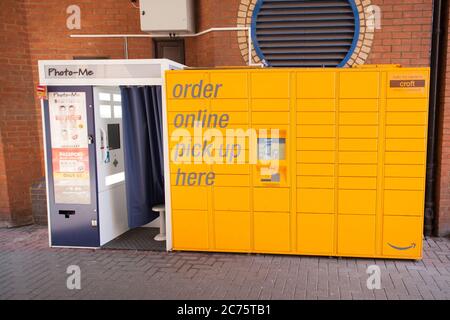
point(72, 186)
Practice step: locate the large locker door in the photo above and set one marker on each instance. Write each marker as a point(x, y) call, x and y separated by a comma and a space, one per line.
point(72, 186)
point(113, 218)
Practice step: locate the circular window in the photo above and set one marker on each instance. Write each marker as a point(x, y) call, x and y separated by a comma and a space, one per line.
point(306, 33)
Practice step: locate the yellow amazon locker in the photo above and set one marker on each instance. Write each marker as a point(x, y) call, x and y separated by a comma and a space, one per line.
point(299, 161)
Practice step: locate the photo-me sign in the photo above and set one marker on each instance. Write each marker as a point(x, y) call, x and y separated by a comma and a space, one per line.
point(103, 72)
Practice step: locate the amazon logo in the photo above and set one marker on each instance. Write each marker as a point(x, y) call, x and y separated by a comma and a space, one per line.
point(412, 246)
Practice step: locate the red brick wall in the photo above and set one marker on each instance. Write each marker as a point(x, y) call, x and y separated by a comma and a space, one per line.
point(20, 149)
point(217, 48)
point(444, 168)
point(405, 35)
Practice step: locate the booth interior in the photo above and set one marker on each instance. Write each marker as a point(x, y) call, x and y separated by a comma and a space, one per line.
point(105, 153)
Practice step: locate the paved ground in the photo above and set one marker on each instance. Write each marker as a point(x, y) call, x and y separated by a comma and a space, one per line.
point(30, 270)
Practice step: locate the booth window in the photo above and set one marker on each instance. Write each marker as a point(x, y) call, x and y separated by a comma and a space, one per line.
point(305, 33)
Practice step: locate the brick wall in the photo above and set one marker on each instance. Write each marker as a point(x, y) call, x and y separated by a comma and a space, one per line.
point(405, 35)
point(20, 154)
point(218, 48)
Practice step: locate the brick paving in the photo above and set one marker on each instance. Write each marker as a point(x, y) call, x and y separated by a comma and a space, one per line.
point(29, 269)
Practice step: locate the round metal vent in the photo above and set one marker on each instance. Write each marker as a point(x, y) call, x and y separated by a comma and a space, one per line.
point(305, 33)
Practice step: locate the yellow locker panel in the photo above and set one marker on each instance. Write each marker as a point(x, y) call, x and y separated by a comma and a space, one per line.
point(359, 105)
point(315, 233)
point(232, 84)
point(355, 183)
point(182, 133)
point(271, 232)
point(231, 198)
point(315, 201)
point(356, 235)
point(230, 169)
point(229, 105)
point(232, 180)
point(315, 131)
point(315, 182)
point(358, 118)
point(237, 117)
point(402, 237)
point(357, 132)
point(405, 157)
point(406, 145)
point(407, 105)
point(358, 170)
point(357, 201)
point(190, 230)
point(406, 118)
point(358, 144)
point(316, 118)
point(404, 184)
point(189, 198)
point(316, 105)
point(359, 84)
point(406, 132)
point(270, 118)
point(316, 156)
point(307, 169)
point(358, 157)
point(403, 202)
point(269, 85)
point(307, 85)
point(187, 168)
point(232, 231)
point(414, 171)
point(316, 144)
point(270, 105)
point(271, 199)
point(187, 105)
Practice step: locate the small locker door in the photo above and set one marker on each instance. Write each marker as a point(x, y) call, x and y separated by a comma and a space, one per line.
point(72, 186)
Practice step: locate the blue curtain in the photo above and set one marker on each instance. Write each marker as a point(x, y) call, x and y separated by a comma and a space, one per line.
point(143, 148)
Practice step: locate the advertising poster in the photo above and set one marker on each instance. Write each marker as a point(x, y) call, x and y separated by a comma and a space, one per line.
point(70, 153)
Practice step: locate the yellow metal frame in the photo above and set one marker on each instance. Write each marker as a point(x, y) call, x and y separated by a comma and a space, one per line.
point(356, 160)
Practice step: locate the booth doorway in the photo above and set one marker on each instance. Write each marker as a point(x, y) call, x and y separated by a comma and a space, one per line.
point(114, 129)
